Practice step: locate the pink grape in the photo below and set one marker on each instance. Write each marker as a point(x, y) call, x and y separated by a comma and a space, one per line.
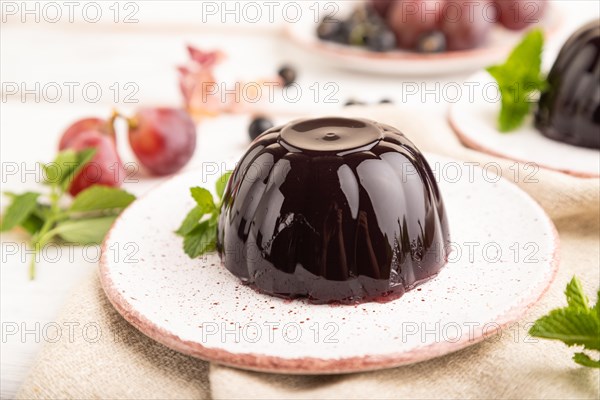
point(519, 14)
point(466, 24)
point(163, 139)
point(410, 19)
point(105, 168)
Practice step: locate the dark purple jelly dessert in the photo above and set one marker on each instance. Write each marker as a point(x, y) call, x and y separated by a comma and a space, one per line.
point(569, 110)
point(333, 209)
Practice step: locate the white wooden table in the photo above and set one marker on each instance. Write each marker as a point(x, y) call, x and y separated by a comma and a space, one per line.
point(144, 53)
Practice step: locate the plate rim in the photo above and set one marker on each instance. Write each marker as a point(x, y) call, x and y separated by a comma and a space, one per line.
point(479, 147)
point(312, 365)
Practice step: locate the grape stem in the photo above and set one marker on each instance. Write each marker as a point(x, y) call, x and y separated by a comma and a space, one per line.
point(110, 124)
point(132, 122)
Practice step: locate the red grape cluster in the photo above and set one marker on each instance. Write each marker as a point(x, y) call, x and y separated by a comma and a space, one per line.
point(163, 139)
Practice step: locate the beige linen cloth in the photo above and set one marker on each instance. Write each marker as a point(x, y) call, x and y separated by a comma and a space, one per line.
point(126, 364)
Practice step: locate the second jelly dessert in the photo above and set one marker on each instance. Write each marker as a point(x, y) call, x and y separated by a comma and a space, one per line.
point(569, 110)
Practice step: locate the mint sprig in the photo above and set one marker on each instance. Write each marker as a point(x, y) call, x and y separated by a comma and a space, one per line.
point(577, 324)
point(42, 215)
point(199, 227)
point(19, 210)
point(519, 79)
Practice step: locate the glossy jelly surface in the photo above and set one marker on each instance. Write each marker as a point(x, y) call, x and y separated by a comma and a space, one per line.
point(333, 209)
point(569, 110)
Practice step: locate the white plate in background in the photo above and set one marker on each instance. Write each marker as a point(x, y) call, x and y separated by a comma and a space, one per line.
point(402, 62)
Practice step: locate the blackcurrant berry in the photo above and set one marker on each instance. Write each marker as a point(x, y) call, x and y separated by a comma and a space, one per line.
point(354, 102)
point(381, 40)
point(288, 74)
point(258, 126)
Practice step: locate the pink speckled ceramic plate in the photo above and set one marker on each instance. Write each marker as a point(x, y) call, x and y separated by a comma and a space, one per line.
point(399, 62)
point(475, 119)
point(504, 258)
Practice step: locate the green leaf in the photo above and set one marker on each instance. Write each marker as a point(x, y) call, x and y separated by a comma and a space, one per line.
point(576, 298)
point(204, 199)
point(32, 224)
point(83, 157)
point(513, 110)
point(201, 239)
point(585, 360)
point(101, 198)
point(596, 308)
point(571, 326)
point(64, 163)
point(84, 231)
point(42, 211)
point(575, 325)
point(19, 210)
point(527, 55)
point(191, 221)
point(198, 236)
point(222, 183)
point(65, 166)
point(518, 78)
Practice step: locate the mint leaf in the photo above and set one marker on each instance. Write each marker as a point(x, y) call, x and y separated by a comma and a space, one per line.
point(84, 231)
point(19, 210)
point(85, 222)
point(204, 199)
point(596, 308)
point(518, 79)
point(585, 360)
point(199, 232)
point(35, 221)
point(83, 157)
point(575, 296)
point(101, 198)
point(201, 239)
point(32, 224)
point(578, 324)
point(191, 221)
point(513, 110)
point(572, 327)
point(221, 184)
point(65, 166)
point(64, 163)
